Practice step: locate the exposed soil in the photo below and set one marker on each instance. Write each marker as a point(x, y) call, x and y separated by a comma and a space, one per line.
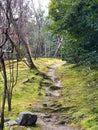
point(48, 121)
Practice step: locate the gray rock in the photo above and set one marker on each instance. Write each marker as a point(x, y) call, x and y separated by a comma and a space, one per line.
point(54, 87)
point(62, 122)
point(48, 94)
point(26, 119)
point(47, 116)
point(45, 104)
point(26, 81)
point(10, 123)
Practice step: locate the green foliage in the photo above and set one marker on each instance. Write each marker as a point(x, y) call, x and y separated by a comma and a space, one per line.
point(48, 39)
point(77, 22)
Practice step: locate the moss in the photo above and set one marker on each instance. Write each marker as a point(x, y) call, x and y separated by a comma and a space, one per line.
point(79, 93)
point(93, 128)
point(80, 89)
point(26, 93)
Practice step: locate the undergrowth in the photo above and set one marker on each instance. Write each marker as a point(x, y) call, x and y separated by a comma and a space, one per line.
point(80, 94)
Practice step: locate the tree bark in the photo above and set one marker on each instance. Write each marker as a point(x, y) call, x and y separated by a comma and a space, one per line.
point(4, 93)
point(9, 98)
point(20, 33)
point(28, 56)
point(57, 50)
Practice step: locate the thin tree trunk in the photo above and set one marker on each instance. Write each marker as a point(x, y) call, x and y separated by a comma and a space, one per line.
point(4, 93)
point(9, 98)
point(35, 54)
point(57, 50)
point(20, 35)
point(28, 56)
point(45, 50)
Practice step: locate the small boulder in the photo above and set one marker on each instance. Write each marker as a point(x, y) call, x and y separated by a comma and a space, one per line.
point(26, 81)
point(48, 94)
point(53, 87)
point(47, 116)
point(26, 119)
point(62, 122)
point(45, 104)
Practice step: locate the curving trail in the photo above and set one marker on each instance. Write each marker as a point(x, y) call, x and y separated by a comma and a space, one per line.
point(46, 121)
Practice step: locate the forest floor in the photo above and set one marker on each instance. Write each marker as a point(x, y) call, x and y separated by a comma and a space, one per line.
point(48, 121)
point(64, 96)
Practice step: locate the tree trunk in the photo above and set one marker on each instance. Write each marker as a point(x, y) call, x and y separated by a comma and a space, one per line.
point(4, 93)
point(57, 50)
point(45, 50)
point(28, 56)
point(21, 35)
point(9, 98)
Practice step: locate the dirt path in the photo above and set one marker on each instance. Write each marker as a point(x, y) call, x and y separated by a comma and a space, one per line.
point(49, 121)
point(54, 78)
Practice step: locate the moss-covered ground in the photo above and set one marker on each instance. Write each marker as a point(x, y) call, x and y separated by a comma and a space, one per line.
point(79, 95)
point(28, 91)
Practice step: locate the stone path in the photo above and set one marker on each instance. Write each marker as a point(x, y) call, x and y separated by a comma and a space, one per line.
point(49, 122)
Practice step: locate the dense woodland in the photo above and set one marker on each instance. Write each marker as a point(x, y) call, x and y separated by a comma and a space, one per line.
point(69, 32)
point(77, 22)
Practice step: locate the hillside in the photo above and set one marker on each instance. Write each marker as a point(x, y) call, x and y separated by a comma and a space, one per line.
point(78, 100)
point(80, 94)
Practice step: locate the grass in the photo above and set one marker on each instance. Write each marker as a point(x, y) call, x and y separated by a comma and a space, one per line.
point(79, 95)
point(80, 92)
point(27, 93)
